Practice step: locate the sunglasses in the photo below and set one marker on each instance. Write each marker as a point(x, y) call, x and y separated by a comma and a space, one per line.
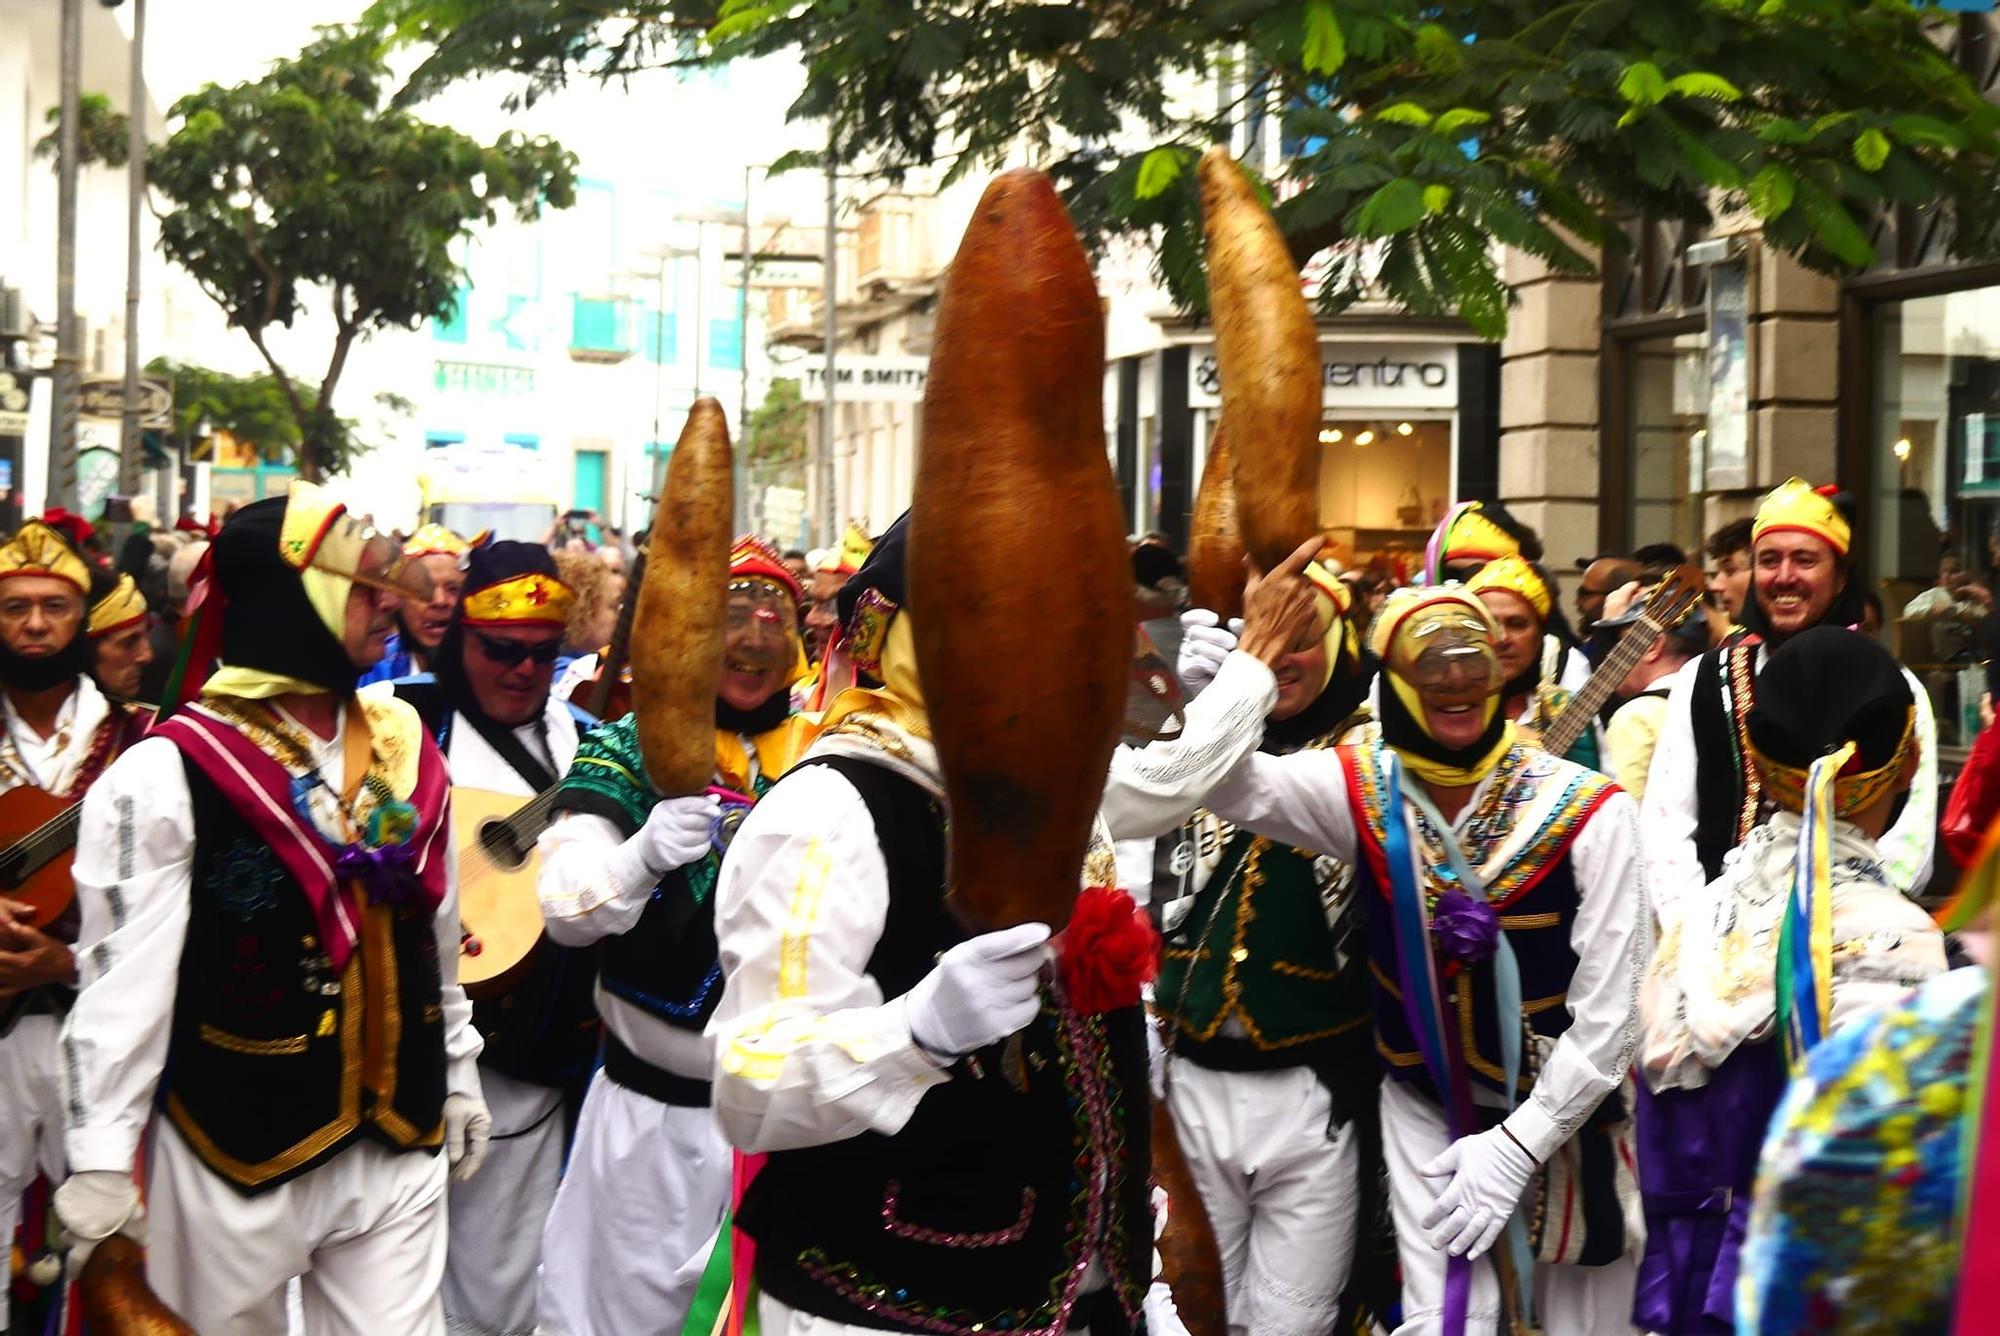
point(513, 653)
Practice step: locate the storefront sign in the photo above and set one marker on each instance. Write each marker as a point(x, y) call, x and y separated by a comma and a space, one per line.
point(13, 406)
point(862, 378)
point(486, 378)
point(104, 397)
point(1728, 438)
point(1356, 376)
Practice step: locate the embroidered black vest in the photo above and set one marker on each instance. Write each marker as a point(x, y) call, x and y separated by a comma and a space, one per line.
point(1535, 894)
point(666, 963)
point(981, 1214)
point(275, 1066)
point(1728, 793)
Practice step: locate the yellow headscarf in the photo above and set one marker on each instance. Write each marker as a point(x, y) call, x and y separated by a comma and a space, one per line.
point(323, 543)
point(121, 607)
point(1412, 620)
point(1514, 574)
point(1795, 505)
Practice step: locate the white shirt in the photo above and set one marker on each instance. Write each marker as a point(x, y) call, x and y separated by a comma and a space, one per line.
point(1154, 788)
point(52, 762)
point(807, 1050)
point(134, 861)
point(1668, 817)
point(1302, 800)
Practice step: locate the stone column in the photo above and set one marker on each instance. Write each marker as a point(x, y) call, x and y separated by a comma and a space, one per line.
point(1549, 408)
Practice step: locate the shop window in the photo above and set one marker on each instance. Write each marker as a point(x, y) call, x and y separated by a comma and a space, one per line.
point(1666, 435)
point(1384, 484)
point(1934, 478)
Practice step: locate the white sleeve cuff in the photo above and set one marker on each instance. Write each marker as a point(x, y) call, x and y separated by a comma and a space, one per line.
point(1539, 1134)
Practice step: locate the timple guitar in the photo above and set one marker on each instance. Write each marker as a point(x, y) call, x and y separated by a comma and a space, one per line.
point(1672, 601)
point(500, 918)
point(37, 846)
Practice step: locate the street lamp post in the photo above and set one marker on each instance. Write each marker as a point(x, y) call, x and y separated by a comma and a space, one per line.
point(61, 486)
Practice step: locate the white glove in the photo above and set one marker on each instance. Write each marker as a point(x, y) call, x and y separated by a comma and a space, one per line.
point(1204, 645)
point(676, 833)
point(1487, 1173)
point(982, 990)
point(467, 1126)
point(95, 1204)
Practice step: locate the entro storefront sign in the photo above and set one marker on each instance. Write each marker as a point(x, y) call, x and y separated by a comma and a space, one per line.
point(1358, 376)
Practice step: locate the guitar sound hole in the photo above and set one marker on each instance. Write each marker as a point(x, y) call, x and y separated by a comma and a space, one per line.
point(501, 845)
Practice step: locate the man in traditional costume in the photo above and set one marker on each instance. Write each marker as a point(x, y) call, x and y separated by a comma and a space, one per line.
point(1473, 533)
point(1496, 882)
point(1800, 934)
point(953, 1148)
point(119, 630)
point(1264, 993)
point(489, 708)
point(61, 734)
point(1704, 793)
point(836, 568)
point(1539, 660)
point(269, 957)
point(635, 873)
point(420, 628)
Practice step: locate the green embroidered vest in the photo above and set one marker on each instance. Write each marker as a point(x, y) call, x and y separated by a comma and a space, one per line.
point(1266, 943)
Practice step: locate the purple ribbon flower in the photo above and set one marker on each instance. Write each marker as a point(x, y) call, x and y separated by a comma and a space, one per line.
point(1466, 929)
point(385, 872)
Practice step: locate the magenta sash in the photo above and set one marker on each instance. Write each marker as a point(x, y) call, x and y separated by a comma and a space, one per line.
point(260, 789)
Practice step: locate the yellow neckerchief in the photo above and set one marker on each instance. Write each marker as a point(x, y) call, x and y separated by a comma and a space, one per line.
point(777, 750)
point(1442, 773)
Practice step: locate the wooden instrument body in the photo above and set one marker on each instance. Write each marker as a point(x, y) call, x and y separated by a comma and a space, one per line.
point(1672, 601)
point(499, 914)
point(1024, 677)
point(37, 847)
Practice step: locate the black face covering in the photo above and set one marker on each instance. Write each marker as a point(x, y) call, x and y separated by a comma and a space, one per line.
point(23, 673)
point(761, 719)
point(1344, 693)
point(1404, 732)
point(268, 622)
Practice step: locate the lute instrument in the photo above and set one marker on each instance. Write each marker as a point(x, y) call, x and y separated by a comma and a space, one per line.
point(1672, 601)
point(499, 914)
point(37, 846)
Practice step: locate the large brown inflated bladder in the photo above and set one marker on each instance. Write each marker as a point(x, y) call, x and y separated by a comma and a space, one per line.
point(1019, 584)
point(1267, 357)
point(1215, 544)
point(115, 1298)
point(683, 598)
point(1190, 1262)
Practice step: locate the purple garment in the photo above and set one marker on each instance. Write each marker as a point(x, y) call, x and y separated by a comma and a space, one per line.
point(1697, 1163)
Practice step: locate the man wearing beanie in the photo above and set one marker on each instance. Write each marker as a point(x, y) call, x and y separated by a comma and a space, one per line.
point(61, 734)
point(487, 704)
point(1703, 793)
point(269, 950)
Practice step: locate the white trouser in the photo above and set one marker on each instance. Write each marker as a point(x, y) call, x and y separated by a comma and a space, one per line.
point(774, 1319)
point(497, 1218)
point(635, 1217)
point(31, 1120)
point(364, 1233)
point(1281, 1194)
point(1570, 1300)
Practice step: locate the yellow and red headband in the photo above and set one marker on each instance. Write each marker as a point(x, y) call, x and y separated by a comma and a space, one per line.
point(122, 607)
point(1514, 574)
point(434, 540)
point(39, 549)
point(846, 559)
point(1854, 789)
point(754, 559)
point(530, 599)
point(1796, 506)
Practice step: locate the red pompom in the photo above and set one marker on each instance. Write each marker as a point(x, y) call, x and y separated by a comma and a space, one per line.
point(1108, 950)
